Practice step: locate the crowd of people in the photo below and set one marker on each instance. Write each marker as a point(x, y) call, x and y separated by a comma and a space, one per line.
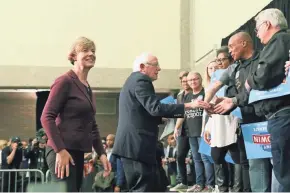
point(17, 154)
point(135, 160)
point(202, 114)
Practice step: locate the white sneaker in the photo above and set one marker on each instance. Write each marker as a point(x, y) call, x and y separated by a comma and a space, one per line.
point(179, 187)
point(195, 188)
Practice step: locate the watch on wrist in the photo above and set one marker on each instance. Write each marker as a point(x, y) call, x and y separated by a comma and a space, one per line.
point(235, 101)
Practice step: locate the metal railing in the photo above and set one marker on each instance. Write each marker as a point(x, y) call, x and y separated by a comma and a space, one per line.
point(47, 176)
point(17, 180)
point(205, 55)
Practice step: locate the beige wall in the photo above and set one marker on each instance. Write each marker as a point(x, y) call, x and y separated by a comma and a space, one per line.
point(39, 33)
point(36, 36)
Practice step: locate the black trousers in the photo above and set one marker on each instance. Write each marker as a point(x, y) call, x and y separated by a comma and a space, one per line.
point(182, 151)
point(140, 177)
point(74, 180)
point(237, 150)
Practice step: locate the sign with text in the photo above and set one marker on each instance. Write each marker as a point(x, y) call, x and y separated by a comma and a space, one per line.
point(169, 128)
point(257, 140)
point(280, 90)
point(205, 149)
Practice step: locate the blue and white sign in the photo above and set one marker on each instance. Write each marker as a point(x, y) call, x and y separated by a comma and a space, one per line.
point(168, 100)
point(169, 128)
point(237, 113)
point(257, 140)
point(205, 149)
point(281, 90)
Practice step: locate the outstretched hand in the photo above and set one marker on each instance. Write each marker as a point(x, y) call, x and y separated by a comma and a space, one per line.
point(199, 104)
point(224, 106)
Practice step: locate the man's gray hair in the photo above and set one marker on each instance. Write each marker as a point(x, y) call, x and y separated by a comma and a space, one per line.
point(141, 59)
point(192, 73)
point(274, 16)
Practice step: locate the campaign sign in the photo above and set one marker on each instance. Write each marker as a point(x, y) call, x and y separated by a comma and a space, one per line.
point(168, 100)
point(205, 149)
point(237, 113)
point(257, 140)
point(221, 93)
point(280, 90)
point(169, 128)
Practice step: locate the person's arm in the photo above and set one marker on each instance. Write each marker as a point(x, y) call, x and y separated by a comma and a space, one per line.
point(205, 118)
point(271, 71)
point(210, 93)
point(54, 104)
point(178, 126)
point(11, 156)
point(97, 142)
point(217, 85)
point(145, 94)
point(179, 123)
point(7, 156)
point(88, 156)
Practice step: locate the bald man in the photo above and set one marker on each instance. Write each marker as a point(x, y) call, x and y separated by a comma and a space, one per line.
point(243, 44)
point(247, 60)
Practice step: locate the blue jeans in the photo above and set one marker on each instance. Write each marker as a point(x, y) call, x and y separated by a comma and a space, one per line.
point(279, 129)
point(178, 178)
point(260, 175)
point(201, 164)
point(275, 184)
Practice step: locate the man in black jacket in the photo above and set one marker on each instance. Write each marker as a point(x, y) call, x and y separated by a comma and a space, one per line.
point(241, 48)
point(140, 112)
point(11, 159)
point(271, 27)
point(36, 154)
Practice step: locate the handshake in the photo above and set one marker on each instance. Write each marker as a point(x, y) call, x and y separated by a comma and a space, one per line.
point(220, 105)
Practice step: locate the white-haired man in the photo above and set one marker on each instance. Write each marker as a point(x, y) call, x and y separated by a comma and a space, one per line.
point(140, 112)
point(271, 26)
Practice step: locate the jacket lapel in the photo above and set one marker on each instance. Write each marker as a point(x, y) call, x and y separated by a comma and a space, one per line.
point(82, 87)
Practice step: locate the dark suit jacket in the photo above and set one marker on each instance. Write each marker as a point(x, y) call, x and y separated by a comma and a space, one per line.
point(69, 116)
point(140, 112)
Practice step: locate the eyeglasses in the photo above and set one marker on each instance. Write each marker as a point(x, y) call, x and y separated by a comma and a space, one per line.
point(221, 60)
point(192, 80)
point(259, 26)
point(153, 64)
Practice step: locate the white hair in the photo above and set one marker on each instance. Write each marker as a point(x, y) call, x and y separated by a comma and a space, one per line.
point(274, 16)
point(141, 59)
point(194, 73)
